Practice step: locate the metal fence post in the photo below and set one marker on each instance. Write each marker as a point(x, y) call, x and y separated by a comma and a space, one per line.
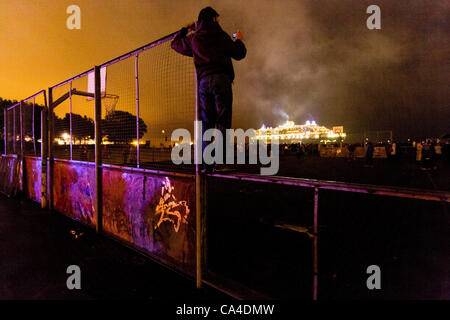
point(32, 126)
point(70, 118)
point(204, 221)
point(21, 129)
point(22, 176)
point(50, 117)
point(44, 150)
point(137, 107)
point(315, 248)
point(198, 191)
point(5, 130)
point(98, 152)
point(14, 130)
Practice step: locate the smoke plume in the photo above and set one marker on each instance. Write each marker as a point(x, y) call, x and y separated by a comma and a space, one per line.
point(317, 58)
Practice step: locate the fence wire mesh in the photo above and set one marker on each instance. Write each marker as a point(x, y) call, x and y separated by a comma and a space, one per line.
point(119, 123)
point(31, 110)
point(82, 133)
point(17, 130)
point(40, 104)
point(23, 126)
point(166, 100)
point(147, 95)
point(61, 124)
point(10, 129)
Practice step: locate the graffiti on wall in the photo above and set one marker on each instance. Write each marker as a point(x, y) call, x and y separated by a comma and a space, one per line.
point(169, 209)
point(33, 172)
point(151, 212)
point(10, 168)
point(74, 191)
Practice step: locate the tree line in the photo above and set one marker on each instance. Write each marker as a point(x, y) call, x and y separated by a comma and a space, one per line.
point(4, 103)
point(118, 126)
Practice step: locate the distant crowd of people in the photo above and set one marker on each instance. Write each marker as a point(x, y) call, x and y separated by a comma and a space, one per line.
point(429, 154)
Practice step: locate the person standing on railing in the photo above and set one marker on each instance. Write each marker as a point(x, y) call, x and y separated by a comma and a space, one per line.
point(212, 50)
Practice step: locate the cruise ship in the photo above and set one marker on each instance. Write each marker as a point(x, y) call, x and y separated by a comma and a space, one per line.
point(290, 133)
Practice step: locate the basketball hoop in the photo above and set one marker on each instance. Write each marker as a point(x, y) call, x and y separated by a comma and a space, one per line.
point(109, 102)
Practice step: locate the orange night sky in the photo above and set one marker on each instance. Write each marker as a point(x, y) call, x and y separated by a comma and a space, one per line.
point(306, 59)
point(39, 51)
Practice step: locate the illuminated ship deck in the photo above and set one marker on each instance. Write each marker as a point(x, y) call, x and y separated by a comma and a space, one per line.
point(291, 133)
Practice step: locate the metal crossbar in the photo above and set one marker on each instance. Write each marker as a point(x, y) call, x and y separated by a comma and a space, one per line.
point(400, 192)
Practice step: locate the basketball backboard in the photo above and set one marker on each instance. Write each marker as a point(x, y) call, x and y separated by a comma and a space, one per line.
point(91, 82)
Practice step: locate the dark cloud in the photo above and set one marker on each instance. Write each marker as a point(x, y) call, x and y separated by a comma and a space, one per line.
point(317, 59)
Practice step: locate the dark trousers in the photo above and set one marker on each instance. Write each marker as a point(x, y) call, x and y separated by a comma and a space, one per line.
point(215, 102)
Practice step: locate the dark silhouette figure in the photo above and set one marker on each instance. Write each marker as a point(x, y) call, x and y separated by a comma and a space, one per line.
point(212, 50)
point(369, 154)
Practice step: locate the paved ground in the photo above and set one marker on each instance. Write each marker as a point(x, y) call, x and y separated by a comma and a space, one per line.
point(36, 248)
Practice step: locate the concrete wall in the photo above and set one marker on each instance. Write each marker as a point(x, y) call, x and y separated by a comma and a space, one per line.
point(152, 212)
point(32, 178)
point(10, 173)
point(74, 191)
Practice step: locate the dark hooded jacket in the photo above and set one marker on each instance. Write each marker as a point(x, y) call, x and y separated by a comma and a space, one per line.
point(211, 47)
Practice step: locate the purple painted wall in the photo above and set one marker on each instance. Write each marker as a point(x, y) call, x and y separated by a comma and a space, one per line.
point(10, 173)
point(33, 178)
point(74, 191)
point(154, 213)
point(151, 212)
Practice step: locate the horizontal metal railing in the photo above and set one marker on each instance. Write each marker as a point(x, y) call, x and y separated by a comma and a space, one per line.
point(402, 192)
point(26, 99)
point(119, 58)
point(431, 195)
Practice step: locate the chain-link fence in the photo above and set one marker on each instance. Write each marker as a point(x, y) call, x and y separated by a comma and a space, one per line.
point(148, 95)
point(22, 126)
point(10, 129)
point(73, 121)
point(81, 132)
point(167, 101)
point(145, 96)
point(61, 123)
